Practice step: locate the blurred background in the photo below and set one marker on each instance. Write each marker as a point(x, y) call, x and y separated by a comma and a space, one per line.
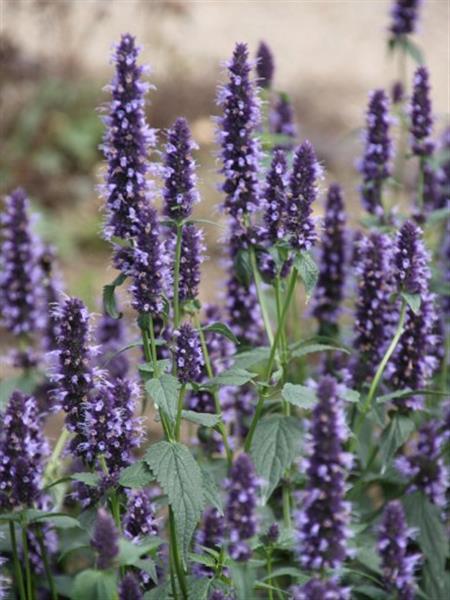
point(54, 62)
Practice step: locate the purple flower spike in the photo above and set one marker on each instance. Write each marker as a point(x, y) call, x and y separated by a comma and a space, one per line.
point(332, 267)
point(421, 114)
point(105, 539)
point(110, 336)
point(19, 271)
point(275, 198)
point(411, 260)
point(23, 450)
point(404, 17)
point(303, 191)
point(242, 487)
point(424, 464)
point(282, 121)
point(192, 248)
point(444, 171)
point(139, 520)
point(397, 92)
point(129, 588)
point(51, 289)
point(375, 166)
point(179, 172)
point(126, 143)
point(322, 523)
point(210, 534)
point(397, 563)
point(239, 146)
point(188, 355)
point(148, 265)
point(264, 65)
point(320, 589)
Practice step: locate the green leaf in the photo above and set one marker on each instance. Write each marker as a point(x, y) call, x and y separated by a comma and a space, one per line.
point(25, 383)
point(94, 585)
point(198, 588)
point(243, 576)
point(394, 436)
point(211, 491)
point(274, 447)
point(130, 552)
point(109, 297)
point(181, 479)
point(413, 50)
point(296, 574)
point(244, 360)
point(351, 395)
point(222, 329)
point(90, 479)
point(165, 391)
point(233, 376)
point(308, 271)
point(413, 301)
point(136, 476)
point(162, 592)
point(243, 267)
point(370, 591)
point(204, 419)
point(313, 348)
point(407, 393)
point(58, 520)
point(148, 565)
point(299, 395)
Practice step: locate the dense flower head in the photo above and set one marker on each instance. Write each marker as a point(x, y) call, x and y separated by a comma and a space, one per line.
point(139, 520)
point(264, 65)
point(375, 166)
point(126, 142)
point(320, 589)
point(242, 487)
point(322, 522)
point(411, 260)
point(397, 563)
point(330, 284)
point(375, 314)
point(188, 354)
point(192, 249)
point(51, 291)
point(129, 588)
point(148, 264)
point(19, 269)
point(23, 450)
point(179, 172)
point(105, 539)
point(282, 121)
point(404, 16)
point(239, 146)
point(275, 199)
point(303, 191)
point(210, 534)
point(421, 114)
point(111, 339)
point(424, 466)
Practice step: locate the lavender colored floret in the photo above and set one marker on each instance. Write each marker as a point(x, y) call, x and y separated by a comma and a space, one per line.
point(421, 114)
point(302, 193)
point(330, 285)
point(320, 589)
point(322, 522)
point(192, 248)
point(126, 143)
point(179, 172)
point(236, 135)
point(397, 563)
point(188, 354)
point(240, 512)
point(375, 166)
point(139, 520)
point(19, 271)
point(264, 65)
point(105, 539)
point(282, 121)
point(129, 588)
point(275, 196)
point(404, 17)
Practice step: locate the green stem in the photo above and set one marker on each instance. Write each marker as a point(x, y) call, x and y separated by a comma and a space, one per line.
point(176, 278)
point(47, 569)
point(17, 568)
point(173, 583)
point(261, 298)
point(179, 412)
point(269, 572)
point(26, 558)
point(420, 183)
point(176, 557)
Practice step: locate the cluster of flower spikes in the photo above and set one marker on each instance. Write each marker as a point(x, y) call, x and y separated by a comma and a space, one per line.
point(329, 290)
point(126, 143)
point(303, 188)
point(19, 272)
point(375, 315)
point(322, 522)
point(421, 114)
point(240, 511)
point(413, 361)
point(424, 465)
point(404, 17)
point(396, 562)
point(111, 338)
point(375, 165)
point(188, 354)
point(105, 539)
point(210, 534)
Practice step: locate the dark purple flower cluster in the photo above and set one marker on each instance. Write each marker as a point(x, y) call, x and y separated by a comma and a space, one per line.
point(240, 150)
point(188, 354)
point(320, 589)
point(23, 449)
point(126, 143)
point(397, 563)
point(322, 522)
point(330, 284)
point(282, 121)
point(374, 313)
point(129, 588)
point(430, 188)
point(51, 291)
point(240, 513)
point(192, 248)
point(275, 197)
point(105, 539)
point(264, 65)
point(444, 170)
point(397, 92)
point(111, 338)
point(375, 165)
point(411, 260)
point(404, 17)
point(139, 520)
point(210, 534)
point(421, 114)
point(272, 534)
point(424, 466)
point(303, 191)
point(19, 271)
point(179, 172)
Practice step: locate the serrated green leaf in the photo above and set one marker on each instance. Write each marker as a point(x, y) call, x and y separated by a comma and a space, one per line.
point(313, 348)
point(198, 589)
point(394, 436)
point(148, 565)
point(370, 591)
point(244, 360)
point(109, 297)
point(233, 376)
point(351, 395)
point(58, 520)
point(413, 301)
point(243, 576)
point(274, 447)
point(299, 395)
point(308, 271)
point(211, 491)
point(204, 419)
point(136, 476)
point(221, 329)
point(181, 479)
point(243, 267)
point(164, 391)
point(130, 552)
point(297, 575)
point(89, 479)
point(94, 585)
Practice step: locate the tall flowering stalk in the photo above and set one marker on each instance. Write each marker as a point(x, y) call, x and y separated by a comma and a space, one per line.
point(191, 258)
point(105, 539)
point(51, 291)
point(282, 121)
point(421, 114)
point(404, 15)
point(275, 195)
